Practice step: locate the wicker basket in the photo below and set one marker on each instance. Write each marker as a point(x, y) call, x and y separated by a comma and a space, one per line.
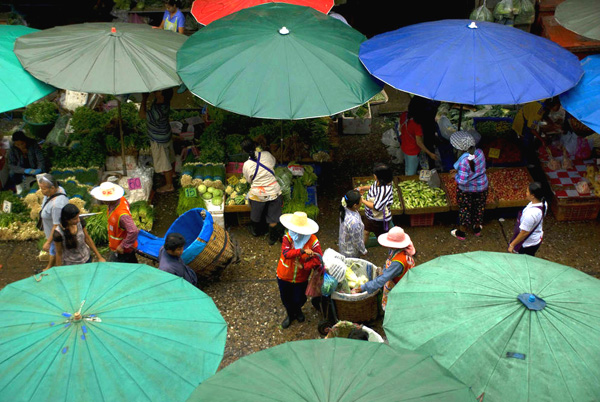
point(359, 307)
point(217, 253)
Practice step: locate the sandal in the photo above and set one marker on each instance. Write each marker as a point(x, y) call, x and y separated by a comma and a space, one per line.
point(458, 234)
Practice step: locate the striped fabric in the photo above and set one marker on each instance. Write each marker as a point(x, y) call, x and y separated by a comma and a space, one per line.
point(383, 198)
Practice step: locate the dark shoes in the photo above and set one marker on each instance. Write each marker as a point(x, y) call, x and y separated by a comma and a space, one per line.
point(286, 322)
point(300, 317)
point(275, 234)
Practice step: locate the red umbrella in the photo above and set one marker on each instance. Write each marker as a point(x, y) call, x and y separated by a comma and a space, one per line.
point(206, 11)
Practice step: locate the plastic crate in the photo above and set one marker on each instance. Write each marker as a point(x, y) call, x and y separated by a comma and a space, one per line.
point(422, 219)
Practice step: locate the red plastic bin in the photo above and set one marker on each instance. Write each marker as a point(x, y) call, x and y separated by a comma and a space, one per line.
point(422, 219)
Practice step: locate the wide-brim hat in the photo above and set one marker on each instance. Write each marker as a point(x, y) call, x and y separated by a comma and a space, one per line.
point(107, 191)
point(394, 238)
point(462, 140)
point(298, 222)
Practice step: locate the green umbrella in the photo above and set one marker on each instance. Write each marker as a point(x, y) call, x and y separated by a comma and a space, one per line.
point(277, 61)
point(580, 16)
point(333, 370)
point(512, 327)
point(105, 58)
point(17, 86)
point(106, 332)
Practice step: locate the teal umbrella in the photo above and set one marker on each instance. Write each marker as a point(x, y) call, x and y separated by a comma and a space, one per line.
point(580, 16)
point(105, 58)
point(17, 86)
point(512, 327)
point(277, 61)
point(335, 369)
point(106, 332)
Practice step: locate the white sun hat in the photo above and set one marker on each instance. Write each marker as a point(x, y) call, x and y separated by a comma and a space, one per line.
point(298, 222)
point(107, 191)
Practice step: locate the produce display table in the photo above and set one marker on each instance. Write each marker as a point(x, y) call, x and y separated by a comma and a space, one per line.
point(567, 203)
point(421, 216)
point(396, 209)
point(450, 186)
point(509, 186)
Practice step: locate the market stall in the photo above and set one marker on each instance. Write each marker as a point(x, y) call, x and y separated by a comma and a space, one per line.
point(420, 200)
point(575, 185)
point(396, 208)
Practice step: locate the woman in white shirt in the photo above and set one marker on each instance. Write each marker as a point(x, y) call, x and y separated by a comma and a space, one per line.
point(528, 235)
point(265, 194)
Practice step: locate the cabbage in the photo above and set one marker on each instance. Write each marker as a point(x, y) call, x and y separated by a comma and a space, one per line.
point(217, 201)
point(202, 189)
point(217, 193)
point(207, 196)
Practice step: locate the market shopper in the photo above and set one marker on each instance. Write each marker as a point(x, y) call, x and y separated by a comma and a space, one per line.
point(299, 250)
point(472, 185)
point(122, 232)
point(159, 132)
point(411, 125)
point(25, 158)
point(380, 197)
point(54, 200)
point(351, 241)
point(173, 19)
point(529, 122)
point(528, 233)
point(264, 195)
point(71, 239)
point(399, 261)
point(169, 258)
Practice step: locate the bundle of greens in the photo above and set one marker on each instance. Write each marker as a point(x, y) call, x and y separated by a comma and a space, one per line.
point(97, 225)
point(299, 201)
point(187, 202)
point(143, 215)
point(43, 112)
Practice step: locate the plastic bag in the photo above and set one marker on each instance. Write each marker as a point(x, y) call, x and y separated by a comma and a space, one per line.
point(58, 136)
point(503, 10)
point(569, 142)
point(527, 13)
point(389, 138)
point(482, 13)
point(329, 285)
point(446, 127)
point(313, 289)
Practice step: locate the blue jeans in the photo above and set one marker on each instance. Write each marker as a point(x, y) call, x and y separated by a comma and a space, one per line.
point(52, 250)
point(411, 163)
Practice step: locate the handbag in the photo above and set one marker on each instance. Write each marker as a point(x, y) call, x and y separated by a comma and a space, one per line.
point(517, 230)
point(40, 223)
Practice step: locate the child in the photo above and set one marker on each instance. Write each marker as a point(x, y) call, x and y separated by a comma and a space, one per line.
point(170, 258)
point(351, 241)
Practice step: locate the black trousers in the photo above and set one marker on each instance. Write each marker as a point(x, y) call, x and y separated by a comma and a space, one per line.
point(531, 250)
point(293, 296)
point(125, 257)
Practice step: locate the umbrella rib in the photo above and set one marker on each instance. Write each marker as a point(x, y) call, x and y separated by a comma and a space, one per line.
point(87, 348)
point(56, 271)
point(503, 349)
point(110, 288)
point(123, 367)
point(36, 296)
point(554, 278)
point(144, 303)
point(358, 372)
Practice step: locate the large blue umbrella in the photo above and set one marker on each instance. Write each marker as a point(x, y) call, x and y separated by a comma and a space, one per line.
point(475, 63)
point(583, 100)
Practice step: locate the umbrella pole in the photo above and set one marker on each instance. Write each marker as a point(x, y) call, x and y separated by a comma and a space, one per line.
point(122, 140)
point(281, 146)
point(460, 112)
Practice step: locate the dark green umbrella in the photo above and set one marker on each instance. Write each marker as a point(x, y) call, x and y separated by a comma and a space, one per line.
point(106, 58)
point(580, 16)
point(512, 327)
point(17, 86)
point(337, 369)
point(277, 61)
point(106, 332)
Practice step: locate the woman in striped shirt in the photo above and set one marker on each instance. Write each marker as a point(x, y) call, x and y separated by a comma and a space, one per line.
point(380, 197)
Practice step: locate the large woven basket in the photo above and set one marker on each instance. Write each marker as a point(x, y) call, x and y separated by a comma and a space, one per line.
point(360, 307)
point(343, 328)
point(217, 253)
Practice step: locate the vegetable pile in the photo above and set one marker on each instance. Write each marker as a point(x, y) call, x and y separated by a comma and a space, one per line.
point(418, 194)
point(236, 191)
point(351, 280)
point(19, 223)
point(509, 184)
point(43, 112)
